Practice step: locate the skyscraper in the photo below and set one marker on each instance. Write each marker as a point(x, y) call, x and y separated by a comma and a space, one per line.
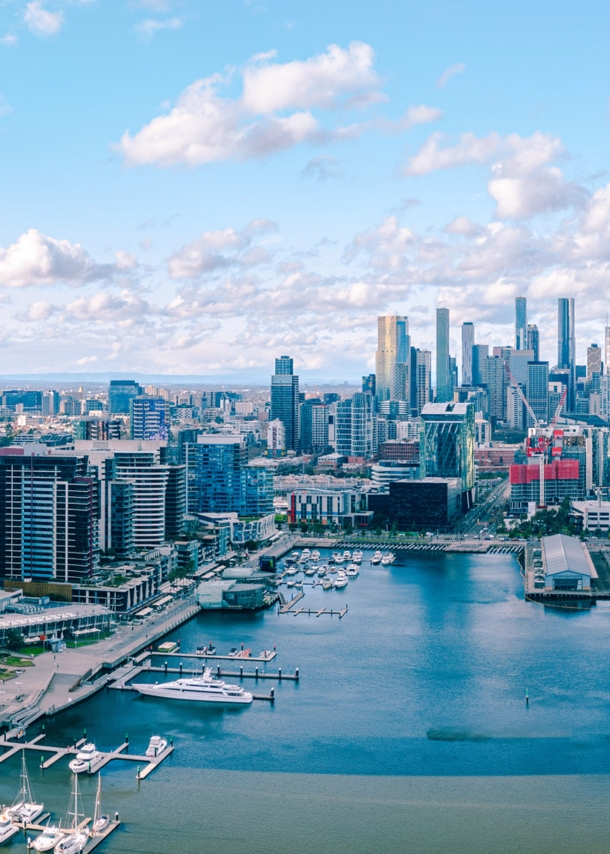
point(120, 395)
point(566, 345)
point(520, 323)
point(533, 340)
point(594, 361)
point(467, 345)
point(480, 352)
point(354, 437)
point(537, 391)
point(285, 400)
point(444, 385)
point(607, 349)
point(149, 417)
point(392, 346)
point(424, 371)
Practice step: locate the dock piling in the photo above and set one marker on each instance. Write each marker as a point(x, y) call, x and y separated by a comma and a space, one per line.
point(296, 674)
point(256, 672)
point(279, 673)
point(241, 671)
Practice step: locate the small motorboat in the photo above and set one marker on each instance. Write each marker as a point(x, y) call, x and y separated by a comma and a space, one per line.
point(357, 556)
point(71, 843)
point(352, 571)
point(291, 583)
point(388, 559)
point(156, 746)
point(340, 581)
point(377, 557)
point(347, 555)
point(315, 555)
point(86, 759)
point(298, 585)
point(322, 571)
point(327, 584)
point(311, 571)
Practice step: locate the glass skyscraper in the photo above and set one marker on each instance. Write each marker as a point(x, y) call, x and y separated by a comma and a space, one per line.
point(566, 345)
point(393, 345)
point(285, 401)
point(467, 345)
point(520, 323)
point(444, 384)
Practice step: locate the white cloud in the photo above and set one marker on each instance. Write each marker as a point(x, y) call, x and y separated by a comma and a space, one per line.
point(445, 77)
point(9, 40)
point(462, 225)
point(321, 168)
point(470, 149)
point(275, 111)
point(205, 255)
point(320, 81)
point(40, 21)
point(104, 307)
point(150, 26)
point(36, 259)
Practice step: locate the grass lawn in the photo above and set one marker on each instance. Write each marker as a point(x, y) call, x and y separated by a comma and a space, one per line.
point(13, 661)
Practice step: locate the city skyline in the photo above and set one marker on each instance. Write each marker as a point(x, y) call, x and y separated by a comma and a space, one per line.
point(223, 198)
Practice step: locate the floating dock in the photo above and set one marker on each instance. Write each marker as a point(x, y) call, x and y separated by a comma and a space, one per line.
point(317, 612)
point(272, 654)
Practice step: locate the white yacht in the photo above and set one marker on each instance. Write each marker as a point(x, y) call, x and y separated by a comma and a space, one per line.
point(311, 571)
point(305, 555)
point(48, 839)
point(7, 827)
point(24, 808)
point(323, 570)
point(388, 559)
point(352, 571)
point(347, 555)
point(315, 555)
point(157, 746)
point(327, 584)
point(291, 570)
point(200, 689)
point(87, 759)
point(377, 558)
point(340, 581)
point(339, 559)
point(357, 556)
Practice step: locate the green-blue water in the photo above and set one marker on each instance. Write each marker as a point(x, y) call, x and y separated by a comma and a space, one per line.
point(407, 731)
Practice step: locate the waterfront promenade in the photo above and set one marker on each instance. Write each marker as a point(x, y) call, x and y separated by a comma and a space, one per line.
point(57, 681)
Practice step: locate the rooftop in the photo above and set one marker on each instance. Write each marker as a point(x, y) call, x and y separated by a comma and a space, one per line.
point(566, 554)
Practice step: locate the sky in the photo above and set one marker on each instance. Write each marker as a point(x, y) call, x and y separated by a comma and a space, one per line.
point(195, 187)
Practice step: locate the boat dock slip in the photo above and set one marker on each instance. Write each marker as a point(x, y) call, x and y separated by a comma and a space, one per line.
point(233, 674)
point(322, 612)
point(272, 654)
point(15, 747)
point(100, 837)
point(285, 608)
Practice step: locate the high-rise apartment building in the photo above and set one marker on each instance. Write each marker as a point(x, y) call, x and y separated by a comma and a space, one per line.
point(149, 418)
point(606, 365)
point(494, 377)
point(533, 340)
point(354, 426)
point(467, 345)
point(393, 346)
point(285, 401)
point(424, 378)
point(319, 428)
point(120, 395)
point(566, 345)
point(520, 323)
point(444, 384)
point(537, 391)
point(49, 518)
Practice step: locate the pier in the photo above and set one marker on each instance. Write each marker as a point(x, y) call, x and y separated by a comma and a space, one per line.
point(317, 612)
point(61, 752)
point(198, 655)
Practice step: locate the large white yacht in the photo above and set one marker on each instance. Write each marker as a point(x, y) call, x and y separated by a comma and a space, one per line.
point(377, 558)
point(200, 689)
point(157, 746)
point(340, 580)
point(7, 827)
point(87, 759)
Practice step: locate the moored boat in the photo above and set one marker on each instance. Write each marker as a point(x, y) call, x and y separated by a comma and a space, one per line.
point(87, 759)
point(156, 746)
point(377, 557)
point(200, 689)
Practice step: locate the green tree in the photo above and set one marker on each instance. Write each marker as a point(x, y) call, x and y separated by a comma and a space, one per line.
point(14, 639)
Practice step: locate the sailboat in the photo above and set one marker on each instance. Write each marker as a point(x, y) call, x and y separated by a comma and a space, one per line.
point(100, 819)
point(24, 809)
point(75, 840)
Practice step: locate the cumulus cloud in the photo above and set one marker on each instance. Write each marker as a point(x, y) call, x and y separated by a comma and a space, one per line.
point(446, 76)
point(9, 40)
point(36, 259)
point(386, 246)
point(215, 250)
point(470, 149)
point(321, 168)
point(40, 21)
point(275, 110)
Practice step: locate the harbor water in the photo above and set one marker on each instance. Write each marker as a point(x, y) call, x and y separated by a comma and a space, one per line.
point(408, 729)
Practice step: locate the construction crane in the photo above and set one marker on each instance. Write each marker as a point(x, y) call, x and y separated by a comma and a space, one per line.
point(543, 442)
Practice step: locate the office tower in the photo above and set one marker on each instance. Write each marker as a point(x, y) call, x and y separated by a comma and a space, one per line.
point(369, 385)
point(447, 444)
point(537, 391)
point(149, 418)
point(49, 518)
point(606, 365)
point(480, 352)
point(518, 361)
point(520, 323)
point(120, 395)
point(424, 378)
point(515, 410)
point(495, 378)
point(453, 373)
point(393, 345)
point(594, 361)
point(285, 401)
point(566, 345)
point(533, 340)
point(467, 345)
point(354, 426)
point(50, 403)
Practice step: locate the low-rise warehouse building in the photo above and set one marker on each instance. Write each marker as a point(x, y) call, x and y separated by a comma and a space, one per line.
point(566, 563)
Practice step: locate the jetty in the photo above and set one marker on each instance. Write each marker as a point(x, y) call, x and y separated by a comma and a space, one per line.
point(317, 612)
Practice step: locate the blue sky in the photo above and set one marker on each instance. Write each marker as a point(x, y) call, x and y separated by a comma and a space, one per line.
point(196, 187)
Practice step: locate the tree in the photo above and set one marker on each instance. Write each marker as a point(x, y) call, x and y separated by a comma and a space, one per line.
point(14, 640)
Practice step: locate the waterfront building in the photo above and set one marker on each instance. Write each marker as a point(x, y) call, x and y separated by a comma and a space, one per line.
point(56, 621)
point(434, 503)
point(447, 444)
point(467, 345)
point(520, 323)
point(566, 563)
point(329, 506)
point(444, 385)
point(285, 401)
point(120, 395)
point(149, 418)
point(594, 515)
point(49, 516)
point(393, 345)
